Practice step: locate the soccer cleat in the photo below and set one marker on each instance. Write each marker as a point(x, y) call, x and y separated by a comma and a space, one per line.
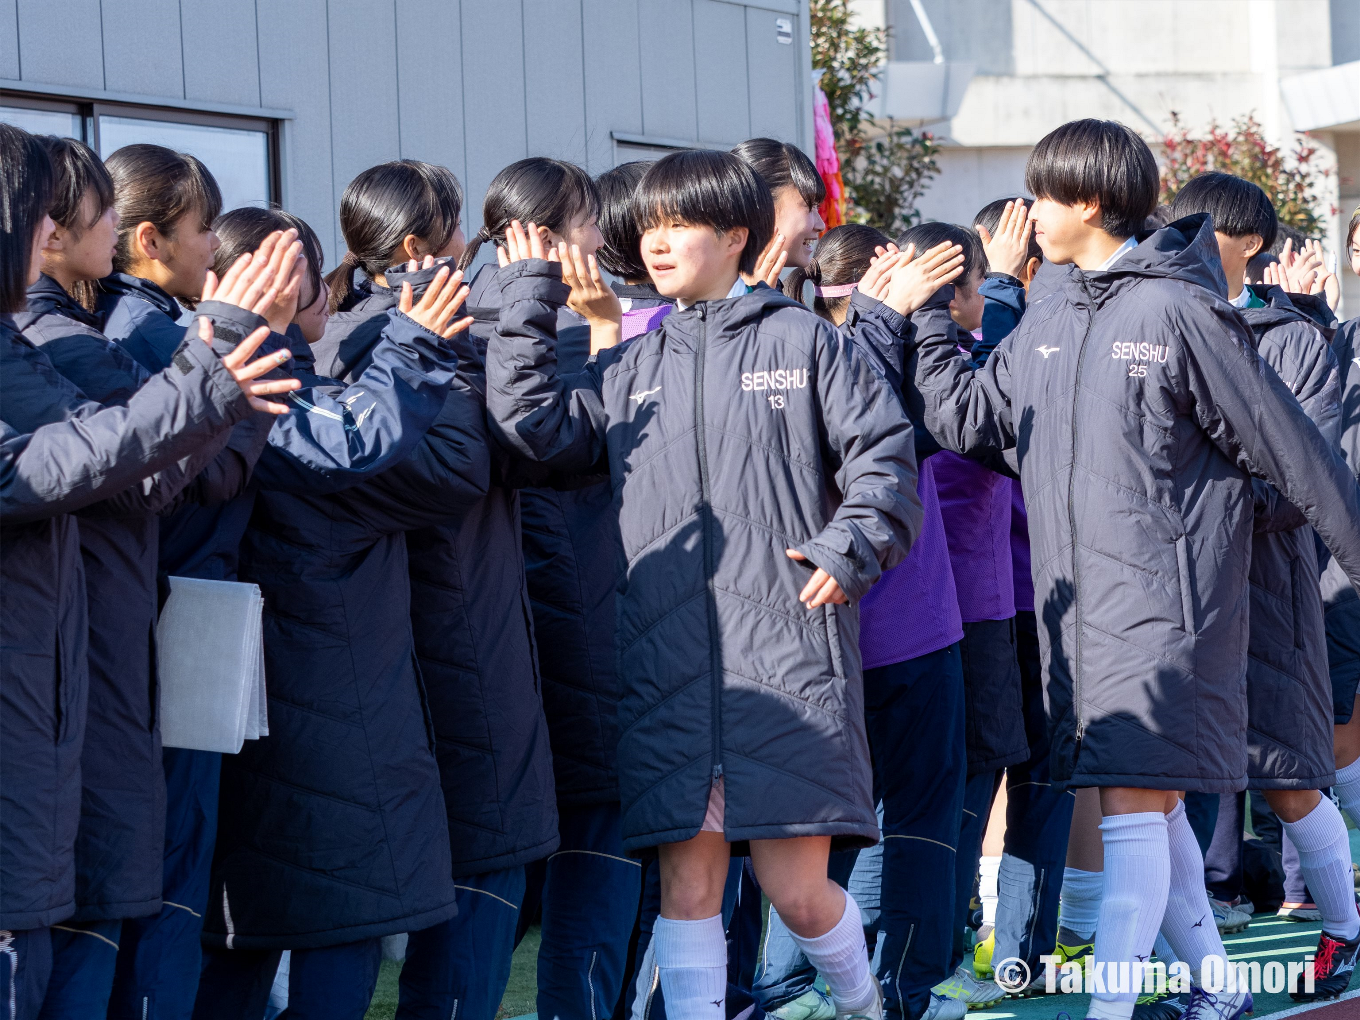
point(1245, 905)
point(1164, 1007)
point(982, 957)
point(964, 986)
point(1227, 918)
point(1223, 1006)
point(1333, 964)
point(872, 1012)
point(1070, 953)
point(811, 1005)
point(942, 1008)
point(1299, 912)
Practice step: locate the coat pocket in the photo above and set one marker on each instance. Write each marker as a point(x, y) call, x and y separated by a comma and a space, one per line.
point(424, 702)
point(1187, 585)
point(833, 640)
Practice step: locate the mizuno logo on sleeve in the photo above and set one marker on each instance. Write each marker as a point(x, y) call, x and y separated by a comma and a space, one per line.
point(1046, 350)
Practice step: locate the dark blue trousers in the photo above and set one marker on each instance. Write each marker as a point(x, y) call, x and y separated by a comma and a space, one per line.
point(83, 959)
point(914, 711)
point(977, 808)
point(1038, 822)
point(25, 964)
point(590, 902)
point(160, 957)
point(334, 983)
point(460, 967)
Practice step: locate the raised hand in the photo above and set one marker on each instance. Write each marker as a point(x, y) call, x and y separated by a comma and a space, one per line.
point(874, 283)
point(591, 297)
point(245, 371)
point(437, 305)
point(266, 281)
point(821, 587)
point(521, 244)
point(914, 283)
point(1325, 281)
point(771, 263)
point(1008, 250)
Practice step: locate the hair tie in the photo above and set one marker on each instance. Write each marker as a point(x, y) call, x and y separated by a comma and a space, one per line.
point(484, 234)
point(350, 259)
point(836, 290)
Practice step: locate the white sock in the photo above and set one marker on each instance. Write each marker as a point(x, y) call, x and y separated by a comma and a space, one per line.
point(1189, 920)
point(692, 959)
point(1325, 859)
point(842, 959)
point(1079, 902)
point(1137, 875)
point(1348, 790)
point(987, 891)
point(1163, 951)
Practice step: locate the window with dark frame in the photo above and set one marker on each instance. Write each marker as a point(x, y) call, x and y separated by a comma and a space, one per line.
point(241, 152)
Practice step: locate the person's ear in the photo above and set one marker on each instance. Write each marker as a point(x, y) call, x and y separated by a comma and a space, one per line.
point(55, 240)
point(736, 238)
point(1251, 245)
point(1031, 267)
point(148, 242)
point(1090, 213)
point(410, 249)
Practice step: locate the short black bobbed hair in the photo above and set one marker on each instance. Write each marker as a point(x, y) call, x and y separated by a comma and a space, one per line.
point(620, 254)
point(989, 216)
point(1235, 206)
point(704, 187)
point(927, 235)
point(784, 165)
point(1097, 161)
point(26, 183)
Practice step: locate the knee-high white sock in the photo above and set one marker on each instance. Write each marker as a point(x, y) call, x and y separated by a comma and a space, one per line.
point(1188, 924)
point(841, 958)
point(1137, 875)
point(1164, 952)
point(987, 889)
point(1079, 902)
point(1348, 790)
point(1325, 860)
point(692, 959)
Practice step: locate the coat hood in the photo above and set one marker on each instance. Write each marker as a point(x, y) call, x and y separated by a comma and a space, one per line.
point(125, 284)
point(48, 297)
point(1279, 309)
point(1184, 250)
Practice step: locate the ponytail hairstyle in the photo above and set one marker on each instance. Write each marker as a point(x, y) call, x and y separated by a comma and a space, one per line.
point(77, 172)
point(26, 182)
point(243, 230)
point(621, 253)
point(842, 258)
point(156, 185)
point(783, 165)
point(381, 207)
point(548, 192)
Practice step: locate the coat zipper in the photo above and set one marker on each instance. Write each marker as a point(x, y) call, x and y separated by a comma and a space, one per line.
point(1072, 519)
point(706, 515)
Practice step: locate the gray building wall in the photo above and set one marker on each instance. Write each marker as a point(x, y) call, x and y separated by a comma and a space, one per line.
point(471, 84)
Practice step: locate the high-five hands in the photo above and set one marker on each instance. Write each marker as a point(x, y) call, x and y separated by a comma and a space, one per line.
point(591, 297)
point(1008, 250)
point(245, 371)
point(266, 281)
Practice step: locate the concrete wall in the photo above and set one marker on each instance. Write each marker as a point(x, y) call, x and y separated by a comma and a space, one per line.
point(1042, 62)
point(472, 84)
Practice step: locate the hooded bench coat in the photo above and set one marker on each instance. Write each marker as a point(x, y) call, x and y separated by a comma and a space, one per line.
point(122, 825)
point(1289, 689)
point(470, 615)
point(1339, 595)
point(60, 453)
point(741, 427)
point(330, 830)
point(1139, 408)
